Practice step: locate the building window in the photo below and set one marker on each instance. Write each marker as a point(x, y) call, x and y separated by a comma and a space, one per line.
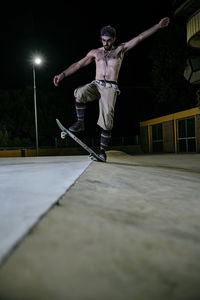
point(186, 135)
point(157, 138)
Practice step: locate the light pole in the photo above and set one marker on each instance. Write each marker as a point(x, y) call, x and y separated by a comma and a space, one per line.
point(36, 61)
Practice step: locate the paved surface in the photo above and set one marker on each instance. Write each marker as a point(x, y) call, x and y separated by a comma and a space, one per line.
point(28, 188)
point(128, 229)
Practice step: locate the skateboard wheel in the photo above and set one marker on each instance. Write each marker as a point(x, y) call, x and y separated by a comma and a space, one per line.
point(63, 135)
point(91, 157)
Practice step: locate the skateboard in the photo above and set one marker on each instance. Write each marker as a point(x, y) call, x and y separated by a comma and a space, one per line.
point(65, 132)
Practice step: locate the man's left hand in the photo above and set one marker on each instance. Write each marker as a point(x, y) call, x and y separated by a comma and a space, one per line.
point(164, 22)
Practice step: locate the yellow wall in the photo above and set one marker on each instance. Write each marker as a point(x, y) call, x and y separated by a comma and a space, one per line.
point(10, 153)
point(172, 117)
point(179, 115)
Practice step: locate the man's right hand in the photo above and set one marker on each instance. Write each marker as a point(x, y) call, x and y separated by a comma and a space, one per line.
point(58, 78)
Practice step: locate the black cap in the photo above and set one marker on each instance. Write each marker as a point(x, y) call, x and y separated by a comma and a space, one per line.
point(108, 31)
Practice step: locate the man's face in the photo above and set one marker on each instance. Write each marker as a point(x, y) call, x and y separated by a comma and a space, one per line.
point(107, 42)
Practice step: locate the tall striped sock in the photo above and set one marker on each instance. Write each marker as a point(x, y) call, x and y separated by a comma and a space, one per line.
point(80, 111)
point(105, 139)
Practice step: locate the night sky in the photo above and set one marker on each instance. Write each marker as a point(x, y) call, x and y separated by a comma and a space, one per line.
point(62, 32)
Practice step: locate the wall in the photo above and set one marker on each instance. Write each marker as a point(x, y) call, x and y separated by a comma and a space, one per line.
point(144, 139)
point(168, 136)
point(169, 130)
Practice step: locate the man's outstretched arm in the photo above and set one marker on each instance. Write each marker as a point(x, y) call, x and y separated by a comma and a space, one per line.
point(74, 67)
point(132, 43)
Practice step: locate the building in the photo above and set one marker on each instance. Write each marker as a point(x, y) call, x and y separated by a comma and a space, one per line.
point(179, 132)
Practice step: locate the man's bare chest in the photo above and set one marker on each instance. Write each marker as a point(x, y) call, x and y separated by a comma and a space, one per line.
point(108, 58)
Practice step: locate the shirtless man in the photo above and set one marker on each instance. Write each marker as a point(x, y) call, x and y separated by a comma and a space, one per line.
point(108, 60)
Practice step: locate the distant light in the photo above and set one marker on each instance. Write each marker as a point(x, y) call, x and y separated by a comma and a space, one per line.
point(37, 60)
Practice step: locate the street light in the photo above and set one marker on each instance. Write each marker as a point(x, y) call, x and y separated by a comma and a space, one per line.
point(36, 61)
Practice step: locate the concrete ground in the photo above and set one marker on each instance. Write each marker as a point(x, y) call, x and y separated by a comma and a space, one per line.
point(28, 188)
point(127, 229)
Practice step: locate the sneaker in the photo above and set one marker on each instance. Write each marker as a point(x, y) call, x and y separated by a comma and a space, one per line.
point(102, 154)
point(78, 126)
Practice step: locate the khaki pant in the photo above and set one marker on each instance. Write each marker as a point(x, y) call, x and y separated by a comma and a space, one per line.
point(107, 98)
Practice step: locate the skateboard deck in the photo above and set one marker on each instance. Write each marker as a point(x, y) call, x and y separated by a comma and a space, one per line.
point(93, 155)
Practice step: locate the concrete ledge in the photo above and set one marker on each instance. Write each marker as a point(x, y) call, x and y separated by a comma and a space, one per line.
point(132, 149)
point(10, 153)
